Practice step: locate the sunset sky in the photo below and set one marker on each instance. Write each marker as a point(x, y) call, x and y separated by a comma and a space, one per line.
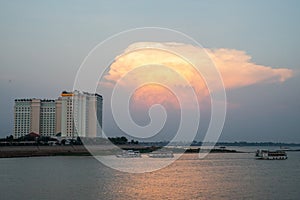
point(254, 45)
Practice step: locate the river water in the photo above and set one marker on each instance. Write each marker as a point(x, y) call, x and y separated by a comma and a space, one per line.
point(217, 176)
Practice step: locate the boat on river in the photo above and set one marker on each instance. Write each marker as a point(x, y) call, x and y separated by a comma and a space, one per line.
point(161, 154)
point(129, 154)
point(271, 155)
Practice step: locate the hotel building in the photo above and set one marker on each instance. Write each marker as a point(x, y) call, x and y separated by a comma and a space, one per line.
point(81, 114)
point(73, 114)
point(23, 114)
point(47, 117)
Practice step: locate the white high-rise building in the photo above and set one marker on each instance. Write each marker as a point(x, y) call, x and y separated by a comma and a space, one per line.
point(81, 114)
point(47, 118)
point(35, 115)
point(23, 117)
point(73, 114)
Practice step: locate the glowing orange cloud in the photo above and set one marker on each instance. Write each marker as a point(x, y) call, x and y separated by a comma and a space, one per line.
point(151, 94)
point(161, 63)
point(237, 69)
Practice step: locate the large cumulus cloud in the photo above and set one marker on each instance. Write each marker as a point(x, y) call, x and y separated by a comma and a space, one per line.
point(234, 66)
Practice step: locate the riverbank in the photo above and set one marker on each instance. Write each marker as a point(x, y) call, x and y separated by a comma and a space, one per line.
point(31, 151)
point(80, 150)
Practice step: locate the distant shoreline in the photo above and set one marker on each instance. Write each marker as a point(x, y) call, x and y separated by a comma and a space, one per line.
point(80, 150)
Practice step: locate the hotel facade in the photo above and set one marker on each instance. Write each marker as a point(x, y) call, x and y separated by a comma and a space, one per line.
point(73, 114)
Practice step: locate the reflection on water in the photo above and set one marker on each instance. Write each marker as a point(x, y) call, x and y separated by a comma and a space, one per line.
point(136, 165)
point(218, 176)
point(226, 176)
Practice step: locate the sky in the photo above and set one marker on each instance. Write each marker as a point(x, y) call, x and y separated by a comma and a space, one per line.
point(43, 43)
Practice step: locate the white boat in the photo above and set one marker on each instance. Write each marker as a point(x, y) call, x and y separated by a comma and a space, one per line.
point(271, 155)
point(129, 154)
point(161, 154)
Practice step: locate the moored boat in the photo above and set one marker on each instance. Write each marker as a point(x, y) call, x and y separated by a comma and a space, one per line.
point(129, 154)
point(161, 154)
point(271, 155)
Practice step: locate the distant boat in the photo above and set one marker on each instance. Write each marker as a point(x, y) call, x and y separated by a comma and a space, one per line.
point(271, 155)
point(129, 154)
point(284, 148)
point(161, 154)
